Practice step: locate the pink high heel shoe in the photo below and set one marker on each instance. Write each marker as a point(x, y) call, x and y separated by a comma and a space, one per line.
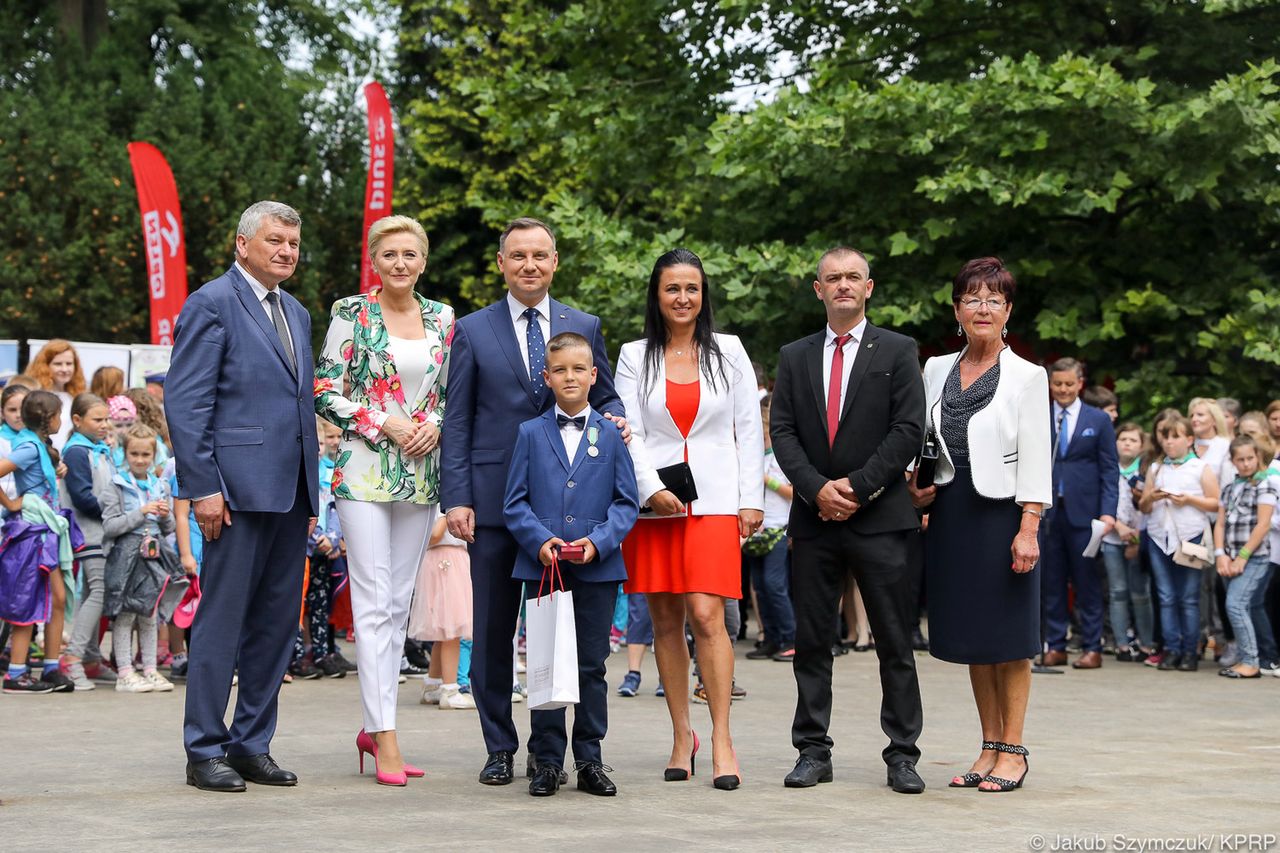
point(365, 743)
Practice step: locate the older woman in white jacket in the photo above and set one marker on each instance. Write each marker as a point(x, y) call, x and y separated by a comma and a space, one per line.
point(690, 396)
point(989, 413)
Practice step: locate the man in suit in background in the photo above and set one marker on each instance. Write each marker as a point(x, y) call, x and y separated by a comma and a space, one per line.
point(847, 418)
point(1085, 487)
point(496, 384)
point(242, 419)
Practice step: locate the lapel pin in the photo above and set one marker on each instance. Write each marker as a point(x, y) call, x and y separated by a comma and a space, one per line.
point(563, 317)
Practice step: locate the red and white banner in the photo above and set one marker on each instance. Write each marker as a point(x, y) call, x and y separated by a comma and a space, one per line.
point(162, 237)
point(377, 189)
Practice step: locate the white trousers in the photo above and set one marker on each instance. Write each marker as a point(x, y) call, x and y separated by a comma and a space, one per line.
point(385, 544)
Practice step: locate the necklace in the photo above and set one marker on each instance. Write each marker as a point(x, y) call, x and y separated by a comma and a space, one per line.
point(985, 360)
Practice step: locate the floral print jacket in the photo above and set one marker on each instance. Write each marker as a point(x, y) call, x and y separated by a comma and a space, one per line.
point(356, 381)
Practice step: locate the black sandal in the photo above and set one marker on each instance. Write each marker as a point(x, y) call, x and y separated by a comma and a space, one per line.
point(971, 779)
point(1007, 785)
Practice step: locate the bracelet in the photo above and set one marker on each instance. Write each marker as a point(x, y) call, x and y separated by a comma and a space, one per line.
point(1037, 513)
point(1219, 552)
point(773, 483)
point(1244, 553)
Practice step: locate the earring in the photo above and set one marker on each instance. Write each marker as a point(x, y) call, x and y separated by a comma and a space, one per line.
point(959, 331)
point(1004, 333)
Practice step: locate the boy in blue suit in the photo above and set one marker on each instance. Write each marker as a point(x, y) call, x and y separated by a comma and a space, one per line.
point(571, 482)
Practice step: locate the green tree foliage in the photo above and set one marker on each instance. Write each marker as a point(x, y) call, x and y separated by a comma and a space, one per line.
point(1121, 157)
point(247, 100)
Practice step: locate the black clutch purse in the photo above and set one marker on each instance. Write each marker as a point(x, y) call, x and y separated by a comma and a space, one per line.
point(678, 479)
point(927, 462)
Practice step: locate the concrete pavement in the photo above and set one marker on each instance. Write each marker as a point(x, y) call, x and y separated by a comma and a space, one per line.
point(1157, 758)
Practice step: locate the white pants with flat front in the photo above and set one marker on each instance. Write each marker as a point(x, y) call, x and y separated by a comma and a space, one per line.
point(385, 544)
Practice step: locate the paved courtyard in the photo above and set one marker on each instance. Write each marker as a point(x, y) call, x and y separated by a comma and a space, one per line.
point(1154, 758)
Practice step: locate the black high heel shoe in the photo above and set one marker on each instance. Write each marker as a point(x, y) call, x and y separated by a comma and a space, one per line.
point(679, 774)
point(971, 779)
point(1007, 785)
point(729, 781)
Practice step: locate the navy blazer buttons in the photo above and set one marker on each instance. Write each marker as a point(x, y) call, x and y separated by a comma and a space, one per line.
point(568, 519)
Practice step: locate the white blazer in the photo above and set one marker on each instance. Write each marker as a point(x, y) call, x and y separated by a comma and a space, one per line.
point(1010, 444)
point(726, 442)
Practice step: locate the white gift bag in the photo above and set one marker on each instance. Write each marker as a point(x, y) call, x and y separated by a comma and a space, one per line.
point(551, 648)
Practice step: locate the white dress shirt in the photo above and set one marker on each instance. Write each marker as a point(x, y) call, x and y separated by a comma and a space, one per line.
point(1073, 414)
point(521, 323)
point(260, 290)
point(571, 435)
point(850, 353)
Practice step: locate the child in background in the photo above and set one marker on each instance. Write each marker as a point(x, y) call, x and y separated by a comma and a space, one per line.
point(107, 382)
point(326, 551)
point(1102, 397)
point(1128, 584)
point(35, 465)
point(89, 470)
point(11, 407)
point(142, 573)
point(151, 413)
point(766, 556)
point(1241, 549)
point(189, 543)
point(441, 613)
point(1179, 490)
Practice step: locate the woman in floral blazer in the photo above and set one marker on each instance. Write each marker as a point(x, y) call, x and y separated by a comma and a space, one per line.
point(381, 377)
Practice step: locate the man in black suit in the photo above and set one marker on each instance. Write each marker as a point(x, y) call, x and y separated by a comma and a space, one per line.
point(847, 419)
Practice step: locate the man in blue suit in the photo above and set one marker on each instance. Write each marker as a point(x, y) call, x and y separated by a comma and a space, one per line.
point(1086, 474)
point(572, 482)
point(496, 384)
point(242, 419)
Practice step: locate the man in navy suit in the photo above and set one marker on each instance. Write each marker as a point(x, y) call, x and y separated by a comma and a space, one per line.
point(496, 384)
point(242, 419)
point(1085, 487)
point(572, 482)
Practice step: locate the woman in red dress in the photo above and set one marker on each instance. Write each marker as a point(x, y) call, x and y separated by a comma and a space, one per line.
point(690, 395)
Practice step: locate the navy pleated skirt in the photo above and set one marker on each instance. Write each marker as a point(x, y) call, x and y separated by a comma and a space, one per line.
point(980, 610)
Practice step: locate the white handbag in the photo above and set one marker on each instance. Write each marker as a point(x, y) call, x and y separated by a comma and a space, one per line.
point(551, 645)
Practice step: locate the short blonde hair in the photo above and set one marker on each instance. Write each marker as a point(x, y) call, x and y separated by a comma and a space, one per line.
point(388, 225)
point(1214, 410)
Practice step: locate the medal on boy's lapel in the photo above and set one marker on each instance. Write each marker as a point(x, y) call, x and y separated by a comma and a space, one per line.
point(593, 435)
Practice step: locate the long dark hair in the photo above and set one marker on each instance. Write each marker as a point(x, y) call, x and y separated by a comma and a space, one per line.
point(38, 412)
point(656, 336)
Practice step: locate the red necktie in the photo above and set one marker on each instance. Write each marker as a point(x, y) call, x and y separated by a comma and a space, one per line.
point(833, 388)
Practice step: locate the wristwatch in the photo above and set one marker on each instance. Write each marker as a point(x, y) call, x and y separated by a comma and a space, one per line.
point(1219, 552)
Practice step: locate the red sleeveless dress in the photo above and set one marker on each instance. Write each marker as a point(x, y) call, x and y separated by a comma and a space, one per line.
point(686, 553)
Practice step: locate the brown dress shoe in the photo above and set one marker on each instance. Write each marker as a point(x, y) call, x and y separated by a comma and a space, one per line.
point(1055, 658)
point(1088, 660)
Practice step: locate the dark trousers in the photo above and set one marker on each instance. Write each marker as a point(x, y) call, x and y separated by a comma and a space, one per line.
point(251, 585)
point(325, 574)
point(818, 572)
point(495, 607)
point(1062, 558)
point(593, 616)
point(771, 578)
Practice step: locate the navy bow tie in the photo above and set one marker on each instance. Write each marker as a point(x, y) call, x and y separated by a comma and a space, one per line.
point(579, 422)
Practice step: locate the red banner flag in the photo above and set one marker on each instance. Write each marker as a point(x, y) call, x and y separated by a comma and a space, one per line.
point(162, 237)
point(377, 189)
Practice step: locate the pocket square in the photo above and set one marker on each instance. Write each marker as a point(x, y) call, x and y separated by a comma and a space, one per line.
point(1088, 432)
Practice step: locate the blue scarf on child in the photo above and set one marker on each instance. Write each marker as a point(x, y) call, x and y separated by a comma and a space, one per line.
point(7, 432)
point(26, 436)
point(326, 490)
point(98, 450)
point(148, 488)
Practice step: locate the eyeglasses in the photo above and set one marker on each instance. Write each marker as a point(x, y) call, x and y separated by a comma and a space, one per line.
point(975, 304)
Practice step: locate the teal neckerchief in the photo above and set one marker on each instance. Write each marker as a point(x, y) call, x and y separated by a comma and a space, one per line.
point(8, 433)
point(1258, 477)
point(327, 466)
point(26, 436)
point(148, 486)
point(1129, 470)
point(1187, 458)
point(98, 450)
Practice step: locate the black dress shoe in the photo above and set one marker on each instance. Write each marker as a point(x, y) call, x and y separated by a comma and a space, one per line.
point(839, 649)
point(261, 770)
point(499, 769)
point(904, 779)
point(591, 779)
point(531, 767)
point(1190, 663)
point(808, 772)
point(918, 641)
point(213, 775)
point(546, 781)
